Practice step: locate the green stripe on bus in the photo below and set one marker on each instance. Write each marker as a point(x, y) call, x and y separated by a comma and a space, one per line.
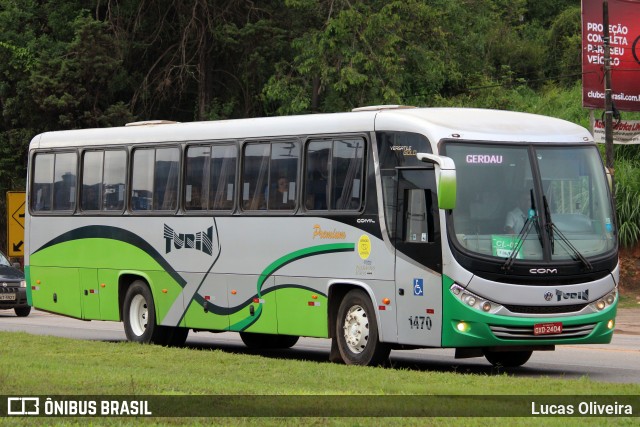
point(281, 262)
point(302, 253)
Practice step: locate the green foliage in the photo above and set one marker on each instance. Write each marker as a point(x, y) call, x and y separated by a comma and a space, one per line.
point(627, 175)
point(81, 87)
point(71, 64)
point(565, 35)
point(368, 53)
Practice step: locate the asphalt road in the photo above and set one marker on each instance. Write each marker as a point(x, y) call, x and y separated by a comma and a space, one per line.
point(617, 362)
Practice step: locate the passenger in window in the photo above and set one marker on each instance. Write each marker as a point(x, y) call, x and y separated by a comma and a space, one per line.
point(518, 215)
point(280, 198)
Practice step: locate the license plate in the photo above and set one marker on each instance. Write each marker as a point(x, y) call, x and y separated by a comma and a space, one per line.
point(547, 328)
point(7, 297)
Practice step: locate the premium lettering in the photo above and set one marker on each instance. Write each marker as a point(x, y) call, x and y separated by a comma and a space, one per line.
point(323, 234)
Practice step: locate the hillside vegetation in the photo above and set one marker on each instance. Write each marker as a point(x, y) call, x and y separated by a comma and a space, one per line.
point(76, 64)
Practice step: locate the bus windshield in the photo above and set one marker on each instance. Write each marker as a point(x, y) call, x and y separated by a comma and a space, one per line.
point(515, 200)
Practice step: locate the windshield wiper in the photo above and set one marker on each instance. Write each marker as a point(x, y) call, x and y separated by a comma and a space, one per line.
point(524, 232)
point(526, 229)
point(551, 227)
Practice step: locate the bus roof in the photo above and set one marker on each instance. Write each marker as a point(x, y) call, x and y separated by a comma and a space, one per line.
point(435, 123)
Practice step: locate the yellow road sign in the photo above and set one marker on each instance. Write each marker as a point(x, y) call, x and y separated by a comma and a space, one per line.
point(15, 223)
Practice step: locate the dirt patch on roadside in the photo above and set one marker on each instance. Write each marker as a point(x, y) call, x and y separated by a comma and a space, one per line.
point(630, 273)
point(628, 321)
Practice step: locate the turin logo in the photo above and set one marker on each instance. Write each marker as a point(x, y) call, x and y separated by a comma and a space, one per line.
point(200, 241)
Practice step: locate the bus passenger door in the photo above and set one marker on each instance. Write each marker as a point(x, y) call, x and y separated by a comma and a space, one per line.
point(418, 258)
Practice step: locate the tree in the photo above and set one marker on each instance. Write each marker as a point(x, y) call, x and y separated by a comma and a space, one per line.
point(199, 59)
point(365, 52)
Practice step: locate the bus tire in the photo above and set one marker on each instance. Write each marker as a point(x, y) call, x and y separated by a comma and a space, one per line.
point(174, 336)
point(507, 359)
point(22, 311)
point(139, 315)
point(357, 331)
point(287, 341)
point(267, 341)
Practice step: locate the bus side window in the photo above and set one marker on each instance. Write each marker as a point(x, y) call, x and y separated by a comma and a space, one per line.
point(64, 186)
point(417, 212)
point(223, 177)
point(196, 177)
point(42, 182)
point(347, 174)
point(317, 175)
point(281, 193)
point(142, 179)
point(114, 177)
point(255, 175)
point(165, 186)
point(334, 174)
point(91, 187)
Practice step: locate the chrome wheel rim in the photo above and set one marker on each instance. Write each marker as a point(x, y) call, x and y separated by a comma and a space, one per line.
point(138, 315)
point(356, 329)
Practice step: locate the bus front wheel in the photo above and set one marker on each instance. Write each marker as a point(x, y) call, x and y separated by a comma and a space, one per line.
point(139, 315)
point(357, 331)
point(507, 359)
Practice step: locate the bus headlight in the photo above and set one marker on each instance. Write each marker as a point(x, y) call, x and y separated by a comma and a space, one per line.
point(605, 301)
point(473, 300)
point(23, 283)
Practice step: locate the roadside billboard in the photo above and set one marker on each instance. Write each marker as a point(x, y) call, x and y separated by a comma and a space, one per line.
point(624, 132)
point(624, 29)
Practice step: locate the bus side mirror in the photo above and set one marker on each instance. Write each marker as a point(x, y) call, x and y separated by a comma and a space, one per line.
point(446, 178)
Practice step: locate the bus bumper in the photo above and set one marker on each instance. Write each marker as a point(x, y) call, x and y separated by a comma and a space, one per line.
point(463, 326)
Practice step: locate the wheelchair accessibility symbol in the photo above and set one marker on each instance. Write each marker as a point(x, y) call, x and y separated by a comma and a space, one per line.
point(418, 287)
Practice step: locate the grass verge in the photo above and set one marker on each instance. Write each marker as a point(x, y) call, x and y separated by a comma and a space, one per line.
point(43, 365)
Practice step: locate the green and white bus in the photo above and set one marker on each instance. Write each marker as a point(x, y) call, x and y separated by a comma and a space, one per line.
point(387, 227)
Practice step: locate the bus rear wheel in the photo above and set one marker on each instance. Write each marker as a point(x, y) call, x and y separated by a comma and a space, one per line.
point(507, 359)
point(139, 315)
point(357, 331)
point(268, 341)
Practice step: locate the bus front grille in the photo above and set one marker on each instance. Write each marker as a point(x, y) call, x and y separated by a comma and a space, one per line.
point(526, 332)
point(537, 309)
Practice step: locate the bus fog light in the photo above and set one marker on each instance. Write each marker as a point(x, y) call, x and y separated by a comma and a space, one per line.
point(486, 306)
point(600, 305)
point(462, 327)
point(611, 324)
